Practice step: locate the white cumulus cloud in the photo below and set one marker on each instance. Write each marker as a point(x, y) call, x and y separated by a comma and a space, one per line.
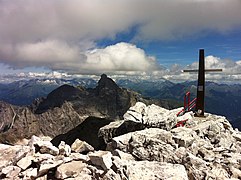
point(56, 33)
point(57, 55)
point(120, 57)
point(231, 70)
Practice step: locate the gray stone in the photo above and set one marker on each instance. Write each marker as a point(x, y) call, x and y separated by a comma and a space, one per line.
point(118, 128)
point(43, 145)
point(25, 162)
point(156, 116)
point(217, 172)
point(139, 108)
point(45, 166)
point(236, 173)
point(79, 157)
point(39, 158)
point(149, 144)
point(49, 149)
point(70, 169)
point(143, 170)
point(101, 158)
point(96, 171)
point(34, 141)
point(152, 116)
point(64, 149)
point(81, 146)
point(237, 136)
point(180, 155)
point(120, 142)
point(44, 177)
point(11, 171)
point(184, 136)
point(30, 173)
point(111, 175)
point(123, 155)
point(10, 155)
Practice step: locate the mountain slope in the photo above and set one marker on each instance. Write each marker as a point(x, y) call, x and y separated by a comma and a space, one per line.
point(66, 107)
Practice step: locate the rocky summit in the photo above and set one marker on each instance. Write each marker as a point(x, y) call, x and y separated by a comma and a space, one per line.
point(149, 143)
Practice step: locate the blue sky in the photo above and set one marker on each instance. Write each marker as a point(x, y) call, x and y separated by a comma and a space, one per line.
point(92, 37)
point(185, 51)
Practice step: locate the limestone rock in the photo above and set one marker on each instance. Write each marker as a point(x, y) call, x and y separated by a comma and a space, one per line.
point(184, 136)
point(45, 166)
point(96, 171)
point(236, 173)
point(81, 146)
point(39, 158)
point(123, 155)
point(25, 162)
point(70, 169)
point(143, 170)
point(111, 175)
point(64, 149)
point(30, 173)
point(205, 148)
point(34, 141)
point(79, 157)
point(37, 143)
point(152, 116)
point(44, 177)
point(49, 149)
point(237, 136)
point(11, 171)
point(118, 128)
point(101, 158)
point(148, 144)
point(10, 155)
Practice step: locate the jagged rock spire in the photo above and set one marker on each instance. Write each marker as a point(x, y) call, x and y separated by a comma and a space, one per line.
point(106, 82)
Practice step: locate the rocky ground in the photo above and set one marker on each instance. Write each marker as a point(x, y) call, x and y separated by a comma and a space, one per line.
point(204, 148)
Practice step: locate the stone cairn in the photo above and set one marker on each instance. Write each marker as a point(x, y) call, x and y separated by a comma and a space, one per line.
point(204, 148)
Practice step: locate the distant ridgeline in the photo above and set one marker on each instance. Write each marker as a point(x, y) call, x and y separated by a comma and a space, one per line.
point(222, 99)
point(66, 107)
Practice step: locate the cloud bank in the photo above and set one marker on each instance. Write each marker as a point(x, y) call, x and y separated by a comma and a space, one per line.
point(62, 35)
point(59, 56)
point(231, 70)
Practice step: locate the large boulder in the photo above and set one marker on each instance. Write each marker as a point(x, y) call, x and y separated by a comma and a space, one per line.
point(149, 144)
point(118, 128)
point(152, 116)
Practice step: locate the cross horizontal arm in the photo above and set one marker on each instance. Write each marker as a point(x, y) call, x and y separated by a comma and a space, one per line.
point(206, 70)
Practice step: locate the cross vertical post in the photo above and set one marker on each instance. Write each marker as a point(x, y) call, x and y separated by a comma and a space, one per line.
point(201, 85)
point(199, 111)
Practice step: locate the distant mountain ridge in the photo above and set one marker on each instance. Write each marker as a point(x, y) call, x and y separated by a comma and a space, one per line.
point(23, 92)
point(66, 107)
point(222, 99)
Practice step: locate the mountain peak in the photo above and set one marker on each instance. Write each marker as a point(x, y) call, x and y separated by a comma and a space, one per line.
point(106, 83)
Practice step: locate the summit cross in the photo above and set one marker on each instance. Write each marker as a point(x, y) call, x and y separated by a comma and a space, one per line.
point(199, 111)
